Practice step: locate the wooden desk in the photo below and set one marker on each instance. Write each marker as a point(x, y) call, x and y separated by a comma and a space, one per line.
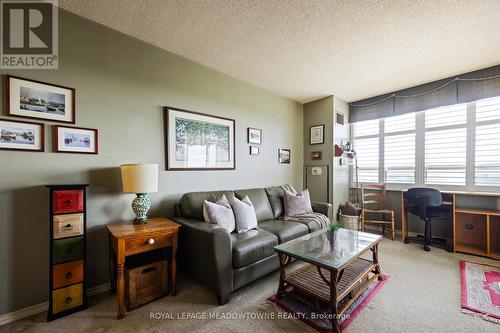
point(127, 239)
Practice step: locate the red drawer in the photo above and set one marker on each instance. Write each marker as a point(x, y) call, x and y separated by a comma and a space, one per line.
point(67, 201)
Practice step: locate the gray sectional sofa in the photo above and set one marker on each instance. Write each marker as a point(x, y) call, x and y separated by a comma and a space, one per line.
point(227, 261)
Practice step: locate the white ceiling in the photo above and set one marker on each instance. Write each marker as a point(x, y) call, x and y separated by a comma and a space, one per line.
point(308, 49)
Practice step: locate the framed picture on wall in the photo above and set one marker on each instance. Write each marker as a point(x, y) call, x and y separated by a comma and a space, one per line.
point(198, 141)
point(316, 155)
point(20, 135)
point(284, 156)
point(254, 135)
point(317, 135)
point(254, 150)
point(76, 140)
point(40, 100)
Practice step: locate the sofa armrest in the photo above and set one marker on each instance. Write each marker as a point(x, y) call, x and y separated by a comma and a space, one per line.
point(205, 251)
point(323, 208)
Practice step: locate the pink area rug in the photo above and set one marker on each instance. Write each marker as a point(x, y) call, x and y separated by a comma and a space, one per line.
point(481, 289)
point(319, 321)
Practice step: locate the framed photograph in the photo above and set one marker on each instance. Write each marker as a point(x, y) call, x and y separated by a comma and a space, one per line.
point(317, 135)
point(20, 135)
point(76, 140)
point(197, 141)
point(254, 136)
point(254, 150)
point(40, 100)
point(316, 155)
point(284, 156)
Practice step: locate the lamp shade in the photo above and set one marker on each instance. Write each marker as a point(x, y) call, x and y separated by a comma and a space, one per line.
point(139, 178)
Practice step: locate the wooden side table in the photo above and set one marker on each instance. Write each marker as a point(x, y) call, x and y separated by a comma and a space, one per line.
point(128, 239)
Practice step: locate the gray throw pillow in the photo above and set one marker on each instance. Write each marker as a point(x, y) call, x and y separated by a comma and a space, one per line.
point(297, 204)
point(219, 213)
point(244, 214)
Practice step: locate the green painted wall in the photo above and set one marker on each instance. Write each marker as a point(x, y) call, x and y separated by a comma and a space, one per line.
point(122, 85)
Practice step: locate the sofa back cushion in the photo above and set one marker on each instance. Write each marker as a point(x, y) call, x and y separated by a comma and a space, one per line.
point(259, 200)
point(275, 195)
point(192, 203)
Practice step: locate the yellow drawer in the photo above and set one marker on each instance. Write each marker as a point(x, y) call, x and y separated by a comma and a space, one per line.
point(68, 225)
point(67, 298)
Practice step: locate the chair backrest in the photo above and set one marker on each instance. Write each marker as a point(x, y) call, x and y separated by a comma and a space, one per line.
point(432, 196)
point(373, 196)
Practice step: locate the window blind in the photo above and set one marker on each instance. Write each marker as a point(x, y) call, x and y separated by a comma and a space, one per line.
point(487, 143)
point(399, 149)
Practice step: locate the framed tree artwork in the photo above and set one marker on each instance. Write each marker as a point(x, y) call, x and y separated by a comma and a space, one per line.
point(198, 141)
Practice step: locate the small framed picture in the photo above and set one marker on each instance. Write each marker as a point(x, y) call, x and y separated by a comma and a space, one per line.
point(254, 150)
point(20, 135)
point(254, 136)
point(76, 140)
point(317, 135)
point(316, 155)
point(40, 100)
point(284, 156)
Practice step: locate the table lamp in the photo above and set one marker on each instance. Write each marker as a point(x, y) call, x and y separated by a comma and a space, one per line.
point(140, 179)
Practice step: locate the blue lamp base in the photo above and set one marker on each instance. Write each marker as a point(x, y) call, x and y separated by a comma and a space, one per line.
point(140, 206)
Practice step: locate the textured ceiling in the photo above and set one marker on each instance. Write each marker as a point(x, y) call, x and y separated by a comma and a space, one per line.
point(307, 49)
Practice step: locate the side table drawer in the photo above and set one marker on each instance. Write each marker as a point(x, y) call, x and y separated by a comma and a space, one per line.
point(68, 225)
point(66, 274)
point(67, 249)
point(67, 298)
point(67, 201)
point(147, 242)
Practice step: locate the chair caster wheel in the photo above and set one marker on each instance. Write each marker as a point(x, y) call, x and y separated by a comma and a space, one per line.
point(449, 249)
point(407, 241)
point(426, 248)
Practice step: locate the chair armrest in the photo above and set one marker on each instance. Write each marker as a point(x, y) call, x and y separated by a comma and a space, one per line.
point(323, 208)
point(205, 251)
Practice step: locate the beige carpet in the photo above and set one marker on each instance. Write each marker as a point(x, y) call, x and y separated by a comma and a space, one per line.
point(423, 295)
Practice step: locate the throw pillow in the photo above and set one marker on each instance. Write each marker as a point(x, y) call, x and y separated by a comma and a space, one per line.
point(297, 204)
point(219, 213)
point(244, 214)
point(349, 209)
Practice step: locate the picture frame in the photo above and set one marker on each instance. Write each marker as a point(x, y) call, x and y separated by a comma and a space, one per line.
point(284, 156)
point(316, 155)
point(22, 135)
point(317, 134)
point(76, 140)
point(254, 136)
point(28, 98)
point(254, 150)
point(198, 141)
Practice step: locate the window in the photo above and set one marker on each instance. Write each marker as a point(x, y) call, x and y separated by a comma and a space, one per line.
point(453, 147)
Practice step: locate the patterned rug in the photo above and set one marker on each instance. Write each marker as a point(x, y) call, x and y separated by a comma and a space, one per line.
point(481, 290)
point(299, 308)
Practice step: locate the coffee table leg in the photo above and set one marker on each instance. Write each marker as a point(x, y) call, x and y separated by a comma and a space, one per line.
point(284, 260)
point(333, 302)
point(375, 261)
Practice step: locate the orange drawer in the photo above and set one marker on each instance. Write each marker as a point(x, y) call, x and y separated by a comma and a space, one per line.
point(68, 225)
point(67, 201)
point(147, 242)
point(66, 274)
point(67, 298)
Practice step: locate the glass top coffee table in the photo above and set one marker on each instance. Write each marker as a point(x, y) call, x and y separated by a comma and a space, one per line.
point(335, 273)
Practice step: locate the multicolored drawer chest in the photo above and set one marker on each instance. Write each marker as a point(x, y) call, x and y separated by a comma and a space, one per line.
point(67, 223)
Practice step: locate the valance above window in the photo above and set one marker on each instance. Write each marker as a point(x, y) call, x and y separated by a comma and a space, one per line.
point(462, 88)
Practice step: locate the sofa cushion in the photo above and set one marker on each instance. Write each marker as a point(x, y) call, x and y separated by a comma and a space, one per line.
point(311, 224)
point(275, 195)
point(285, 231)
point(260, 202)
point(297, 203)
point(252, 246)
point(192, 203)
point(220, 213)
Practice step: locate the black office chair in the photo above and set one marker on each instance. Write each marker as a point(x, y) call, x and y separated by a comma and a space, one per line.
point(426, 203)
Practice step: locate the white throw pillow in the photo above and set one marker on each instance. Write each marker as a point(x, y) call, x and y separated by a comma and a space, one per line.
point(244, 214)
point(297, 204)
point(219, 213)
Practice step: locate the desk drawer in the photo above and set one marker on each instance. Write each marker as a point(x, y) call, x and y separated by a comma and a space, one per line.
point(67, 298)
point(147, 242)
point(67, 201)
point(68, 225)
point(66, 274)
point(67, 249)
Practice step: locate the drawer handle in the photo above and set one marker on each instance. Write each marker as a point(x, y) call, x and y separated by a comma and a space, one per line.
point(68, 227)
point(69, 275)
point(67, 202)
point(151, 241)
point(68, 300)
point(469, 226)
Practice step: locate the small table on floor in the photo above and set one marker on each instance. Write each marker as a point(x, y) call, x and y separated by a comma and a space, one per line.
point(334, 269)
point(127, 239)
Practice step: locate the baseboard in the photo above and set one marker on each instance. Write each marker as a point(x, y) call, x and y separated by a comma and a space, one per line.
point(38, 308)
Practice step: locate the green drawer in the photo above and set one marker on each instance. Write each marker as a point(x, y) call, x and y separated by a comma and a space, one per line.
point(67, 249)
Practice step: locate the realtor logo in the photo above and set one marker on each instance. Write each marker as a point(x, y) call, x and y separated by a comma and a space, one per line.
point(29, 34)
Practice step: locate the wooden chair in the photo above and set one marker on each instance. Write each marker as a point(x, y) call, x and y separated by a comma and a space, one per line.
point(373, 203)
